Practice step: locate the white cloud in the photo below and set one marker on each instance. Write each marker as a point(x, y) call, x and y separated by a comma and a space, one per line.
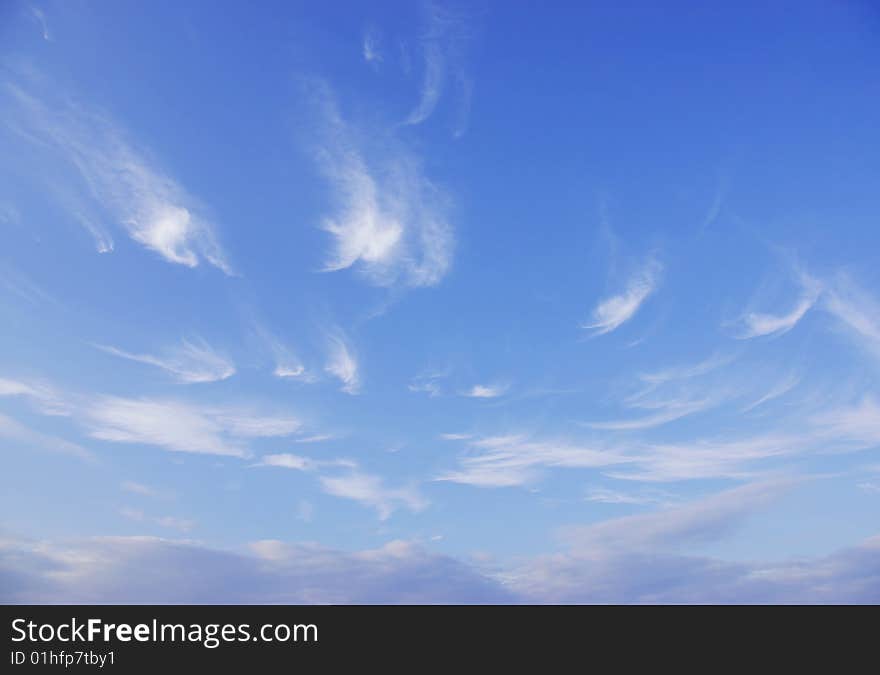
point(756, 324)
point(180, 427)
point(695, 522)
point(249, 425)
point(39, 17)
point(371, 47)
point(389, 222)
point(191, 362)
point(429, 387)
point(121, 180)
point(518, 459)
point(486, 391)
point(607, 496)
point(706, 458)
point(316, 438)
point(13, 430)
point(20, 285)
point(287, 364)
point(342, 364)
point(173, 425)
point(645, 559)
point(514, 460)
point(858, 311)
point(671, 411)
point(613, 311)
point(371, 491)
point(443, 45)
point(768, 324)
point(686, 371)
point(856, 425)
point(428, 382)
point(293, 372)
point(778, 390)
point(287, 461)
point(46, 398)
point(14, 388)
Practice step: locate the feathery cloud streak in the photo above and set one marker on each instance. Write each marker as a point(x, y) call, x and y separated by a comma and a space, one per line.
point(191, 362)
point(120, 179)
point(343, 364)
point(615, 310)
point(390, 222)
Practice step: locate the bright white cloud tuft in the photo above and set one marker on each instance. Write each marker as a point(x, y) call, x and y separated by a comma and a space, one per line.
point(486, 391)
point(121, 180)
point(390, 222)
point(612, 312)
point(756, 324)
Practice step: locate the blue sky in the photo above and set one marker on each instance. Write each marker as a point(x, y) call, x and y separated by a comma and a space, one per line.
point(475, 302)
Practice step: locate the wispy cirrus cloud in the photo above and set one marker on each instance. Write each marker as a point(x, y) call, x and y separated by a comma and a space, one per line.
point(22, 286)
point(429, 382)
point(759, 324)
point(39, 17)
point(180, 427)
point(668, 411)
point(778, 390)
point(316, 438)
point(286, 460)
point(857, 310)
point(371, 46)
point(520, 459)
point(389, 221)
point(614, 311)
point(371, 491)
point(12, 430)
point(343, 364)
point(856, 425)
point(288, 365)
point(694, 522)
point(486, 390)
point(515, 460)
point(190, 362)
point(117, 178)
point(645, 559)
point(686, 371)
point(443, 45)
point(45, 397)
point(455, 437)
point(604, 495)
